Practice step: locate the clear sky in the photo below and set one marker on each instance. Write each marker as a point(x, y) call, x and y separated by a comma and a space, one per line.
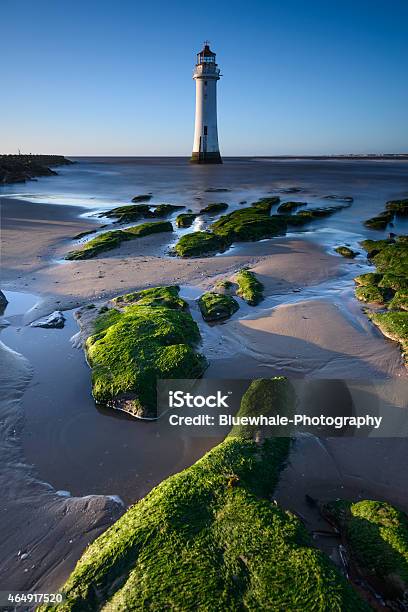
point(97, 77)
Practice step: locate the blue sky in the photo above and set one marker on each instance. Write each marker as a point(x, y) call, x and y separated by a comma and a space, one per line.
point(89, 77)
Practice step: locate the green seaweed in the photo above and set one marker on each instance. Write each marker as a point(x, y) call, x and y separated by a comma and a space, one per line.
point(133, 212)
point(142, 198)
point(248, 224)
point(112, 239)
point(345, 251)
point(249, 287)
point(200, 243)
point(215, 306)
point(376, 534)
point(185, 219)
point(394, 325)
point(209, 538)
point(265, 204)
point(393, 259)
point(288, 207)
point(214, 208)
point(399, 207)
point(129, 351)
point(155, 296)
point(372, 294)
point(372, 247)
point(381, 221)
point(370, 278)
point(399, 301)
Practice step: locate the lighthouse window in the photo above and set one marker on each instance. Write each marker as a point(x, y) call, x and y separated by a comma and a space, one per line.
point(205, 130)
point(205, 83)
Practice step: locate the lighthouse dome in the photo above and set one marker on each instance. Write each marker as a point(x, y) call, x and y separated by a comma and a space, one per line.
point(206, 55)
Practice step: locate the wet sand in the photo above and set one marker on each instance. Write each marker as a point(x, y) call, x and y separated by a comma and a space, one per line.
point(42, 533)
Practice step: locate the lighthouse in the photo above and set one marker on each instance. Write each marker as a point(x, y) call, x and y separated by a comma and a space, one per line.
point(206, 74)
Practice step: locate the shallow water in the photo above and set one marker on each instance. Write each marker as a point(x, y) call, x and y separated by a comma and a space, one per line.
point(72, 444)
point(98, 183)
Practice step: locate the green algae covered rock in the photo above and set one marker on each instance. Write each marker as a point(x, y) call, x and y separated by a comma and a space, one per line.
point(394, 325)
point(155, 296)
point(200, 243)
point(142, 198)
point(248, 224)
point(375, 246)
point(215, 306)
point(209, 538)
point(288, 207)
point(387, 286)
point(394, 282)
point(319, 213)
point(127, 213)
point(212, 209)
point(393, 259)
point(133, 212)
point(370, 278)
point(249, 287)
point(265, 204)
point(185, 219)
point(399, 301)
point(381, 221)
point(268, 397)
point(376, 535)
point(372, 294)
point(399, 207)
point(345, 251)
point(130, 350)
point(110, 240)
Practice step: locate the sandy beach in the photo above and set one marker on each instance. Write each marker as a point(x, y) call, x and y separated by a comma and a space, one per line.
point(309, 325)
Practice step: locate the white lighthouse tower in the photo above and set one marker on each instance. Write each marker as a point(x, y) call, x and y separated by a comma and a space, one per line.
point(206, 74)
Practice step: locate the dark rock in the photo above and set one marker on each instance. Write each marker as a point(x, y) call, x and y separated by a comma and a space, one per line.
point(55, 320)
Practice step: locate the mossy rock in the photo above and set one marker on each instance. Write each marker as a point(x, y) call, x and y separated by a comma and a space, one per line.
point(399, 207)
point(394, 325)
point(288, 207)
point(319, 213)
point(394, 282)
point(163, 210)
point(133, 212)
point(248, 224)
point(268, 397)
point(381, 221)
point(185, 219)
point(249, 287)
point(130, 212)
point(209, 538)
point(372, 247)
point(110, 240)
point(371, 294)
point(345, 251)
point(399, 301)
point(370, 278)
point(265, 204)
point(376, 535)
point(130, 350)
point(142, 198)
point(197, 244)
point(215, 207)
point(216, 307)
point(156, 296)
point(393, 259)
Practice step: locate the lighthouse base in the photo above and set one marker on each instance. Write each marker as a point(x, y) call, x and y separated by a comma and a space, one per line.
point(200, 157)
